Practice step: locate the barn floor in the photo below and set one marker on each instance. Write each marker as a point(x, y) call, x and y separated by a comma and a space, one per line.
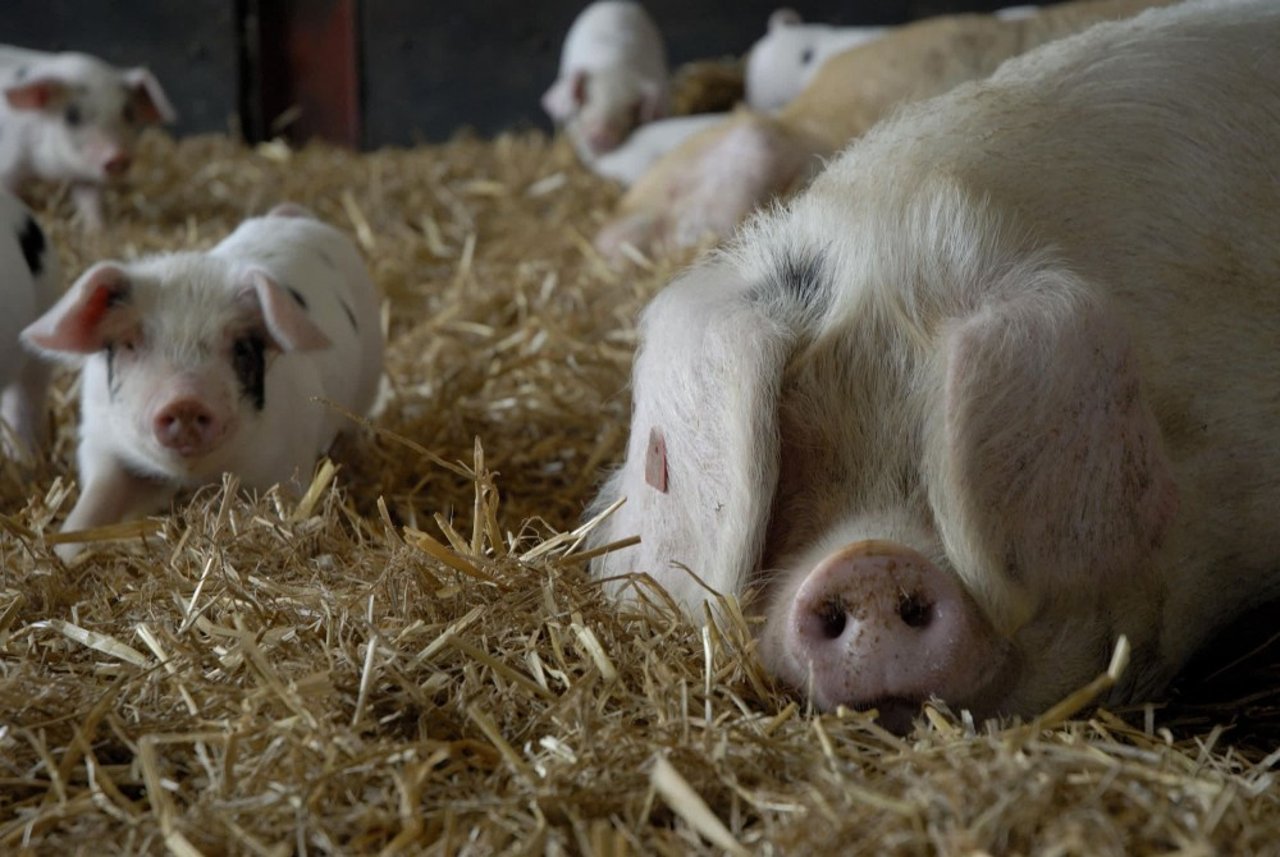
point(410, 658)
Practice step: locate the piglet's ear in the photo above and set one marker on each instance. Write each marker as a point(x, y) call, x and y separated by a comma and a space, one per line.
point(149, 100)
point(702, 461)
point(284, 312)
point(784, 17)
point(1054, 467)
point(558, 100)
point(36, 94)
point(91, 314)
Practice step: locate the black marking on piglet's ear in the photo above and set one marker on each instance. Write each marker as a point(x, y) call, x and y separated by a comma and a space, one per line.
point(248, 359)
point(33, 243)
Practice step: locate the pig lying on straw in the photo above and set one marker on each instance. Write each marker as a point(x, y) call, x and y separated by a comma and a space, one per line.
point(1000, 386)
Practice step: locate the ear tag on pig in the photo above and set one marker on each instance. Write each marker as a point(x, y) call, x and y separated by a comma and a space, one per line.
point(655, 462)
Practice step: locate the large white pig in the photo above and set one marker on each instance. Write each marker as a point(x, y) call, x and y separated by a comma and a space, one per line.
point(1001, 385)
point(72, 117)
point(29, 284)
point(201, 363)
point(613, 77)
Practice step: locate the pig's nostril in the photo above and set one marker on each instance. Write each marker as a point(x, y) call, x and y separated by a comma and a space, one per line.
point(833, 618)
point(914, 610)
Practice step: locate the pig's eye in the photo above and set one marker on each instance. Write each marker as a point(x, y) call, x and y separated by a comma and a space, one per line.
point(249, 362)
point(73, 115)
point(806, 57)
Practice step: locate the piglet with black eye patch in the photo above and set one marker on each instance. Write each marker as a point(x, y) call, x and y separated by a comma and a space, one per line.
point(201, 363)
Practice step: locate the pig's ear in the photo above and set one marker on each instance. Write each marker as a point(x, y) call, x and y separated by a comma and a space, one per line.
point(149, 101)
point(92, 313)
point(702, 461)
point(36, 94)
point(1054, 469)
point(284, 312)
point(292, 209)
point(784, 17)
point(558, 100)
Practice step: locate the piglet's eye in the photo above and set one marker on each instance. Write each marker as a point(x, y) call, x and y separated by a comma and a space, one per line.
point(806, 57)
point(73, 115)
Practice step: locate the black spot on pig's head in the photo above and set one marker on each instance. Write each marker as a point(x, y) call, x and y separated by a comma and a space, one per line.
point(798, 281)
point(248, 359)
point(31, 239)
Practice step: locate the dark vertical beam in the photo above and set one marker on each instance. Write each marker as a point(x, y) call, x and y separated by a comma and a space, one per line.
point(301, 70)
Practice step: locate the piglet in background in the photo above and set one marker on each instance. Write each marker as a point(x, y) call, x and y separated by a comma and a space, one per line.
point(29, 284)
point(649, 143)
point(613, 77)
point(72, 117)
point(200, 363)
point(781, 64)
point(784, 61)
point(1000, 386)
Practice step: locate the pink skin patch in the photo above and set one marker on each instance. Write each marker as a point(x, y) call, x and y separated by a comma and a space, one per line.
point(655, 462)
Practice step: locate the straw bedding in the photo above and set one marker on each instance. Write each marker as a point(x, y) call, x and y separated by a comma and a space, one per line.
point(410, 658)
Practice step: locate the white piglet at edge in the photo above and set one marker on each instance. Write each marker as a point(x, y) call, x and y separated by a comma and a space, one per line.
point(29, 284)
point(72, 117)
point(201, 363)
point(613, 77)
point(999, 387)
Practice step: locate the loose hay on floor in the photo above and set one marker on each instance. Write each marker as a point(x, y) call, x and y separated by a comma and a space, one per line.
point(411, 659)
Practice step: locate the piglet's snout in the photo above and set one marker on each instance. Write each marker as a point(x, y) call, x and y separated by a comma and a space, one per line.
point(188, 426)
point(117, 164)
point(876, 624)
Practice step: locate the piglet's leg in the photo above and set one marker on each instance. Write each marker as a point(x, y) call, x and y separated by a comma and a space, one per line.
point(88, 202)
point(111, 494)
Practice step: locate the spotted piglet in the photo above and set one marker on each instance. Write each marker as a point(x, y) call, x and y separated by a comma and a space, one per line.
point(28, 286)
point(200, 363)
point(72, 117)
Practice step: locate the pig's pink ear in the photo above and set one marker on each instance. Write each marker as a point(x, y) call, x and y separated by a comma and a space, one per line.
point(151, 105)
point(91, 314)
point(703, 456)
point(558, 100)
point(36, 94)
point(784, 17)
point(284, 313)
point(1054, 469)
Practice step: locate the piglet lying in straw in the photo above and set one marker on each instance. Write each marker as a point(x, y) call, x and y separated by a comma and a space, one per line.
point(29, 284)
point(780, 65)
point(72, 117)
point(1001, 385)
point(196, 364)
point(713, 180)
point(613, 77)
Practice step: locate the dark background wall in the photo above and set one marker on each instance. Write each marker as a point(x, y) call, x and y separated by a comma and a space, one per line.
point(420, 71)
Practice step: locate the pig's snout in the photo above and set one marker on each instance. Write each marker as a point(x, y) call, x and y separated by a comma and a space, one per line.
point(877, 625)
point(189, 427)
point(117, 164)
